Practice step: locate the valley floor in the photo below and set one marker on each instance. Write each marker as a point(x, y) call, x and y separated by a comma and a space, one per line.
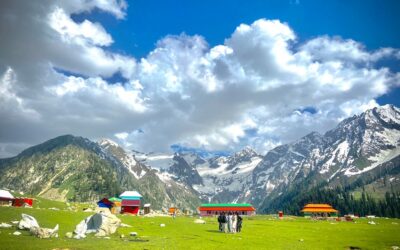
point(259, 232)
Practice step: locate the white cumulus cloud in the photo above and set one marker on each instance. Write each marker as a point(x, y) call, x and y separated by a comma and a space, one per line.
point(250, 90)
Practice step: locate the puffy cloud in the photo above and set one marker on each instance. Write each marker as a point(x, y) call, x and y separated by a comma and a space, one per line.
point(332, 49)
point(243, 92)
point(115, 7)
point(86, 32)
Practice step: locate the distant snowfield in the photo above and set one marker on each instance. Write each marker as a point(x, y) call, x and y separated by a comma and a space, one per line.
point(222, 168)
point(379, 159)
point(156, 161)
point(215, 180)
point(392, 138)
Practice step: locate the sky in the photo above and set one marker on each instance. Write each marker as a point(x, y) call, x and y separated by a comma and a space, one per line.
point(209, 76)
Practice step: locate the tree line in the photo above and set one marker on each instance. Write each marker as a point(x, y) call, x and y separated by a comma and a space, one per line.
point(342, 200)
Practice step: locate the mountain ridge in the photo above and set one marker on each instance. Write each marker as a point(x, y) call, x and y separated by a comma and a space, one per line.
point(364, 148)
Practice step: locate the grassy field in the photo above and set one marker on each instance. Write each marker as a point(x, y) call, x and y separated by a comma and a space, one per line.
point(259, 232)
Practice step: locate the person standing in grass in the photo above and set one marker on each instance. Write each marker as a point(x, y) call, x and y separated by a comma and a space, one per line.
point(224, 221)
point(234, 222)
point(220, 222)
point(229, 222)
point(239, 223)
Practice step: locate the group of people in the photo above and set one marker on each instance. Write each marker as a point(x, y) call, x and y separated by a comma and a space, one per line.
point(230, 222)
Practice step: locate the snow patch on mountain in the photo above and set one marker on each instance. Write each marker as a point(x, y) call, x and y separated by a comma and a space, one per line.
point(338, 155)
point(130, 163)
point(227, 177)
point(382, 157)
point(165, 176)
point(107, 142)
point(156, 161)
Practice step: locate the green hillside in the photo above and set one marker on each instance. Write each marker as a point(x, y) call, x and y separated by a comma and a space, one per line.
point(66, 173)
point(75, 169)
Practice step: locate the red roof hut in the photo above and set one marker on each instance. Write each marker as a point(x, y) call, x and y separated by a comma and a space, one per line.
point(130, 202)
point(215, 209)
point(319, 209)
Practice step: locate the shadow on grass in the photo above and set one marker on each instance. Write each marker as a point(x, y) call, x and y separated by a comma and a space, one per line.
point(137, 240)
point(214, 231)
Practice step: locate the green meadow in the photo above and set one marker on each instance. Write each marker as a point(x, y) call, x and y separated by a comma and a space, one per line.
point(259, 232)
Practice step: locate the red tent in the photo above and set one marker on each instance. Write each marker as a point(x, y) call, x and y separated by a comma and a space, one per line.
point(105, 203)
point(20, 202)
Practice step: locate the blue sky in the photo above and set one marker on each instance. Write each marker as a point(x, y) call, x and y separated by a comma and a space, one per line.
point(213, 76)
point(373, 23)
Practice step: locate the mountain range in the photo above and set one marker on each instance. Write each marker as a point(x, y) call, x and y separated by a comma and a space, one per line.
point(361, 155)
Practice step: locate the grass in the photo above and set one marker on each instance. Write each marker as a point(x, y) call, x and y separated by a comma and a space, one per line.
point(259, 232)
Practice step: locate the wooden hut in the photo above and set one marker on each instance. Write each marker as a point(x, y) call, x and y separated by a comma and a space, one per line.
point(146, 208)
point(130, 202)
point(6, 198)
point(215, 209)
point(319, 210)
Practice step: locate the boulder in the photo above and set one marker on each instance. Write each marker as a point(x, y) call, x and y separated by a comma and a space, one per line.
point(102, 223)
point(5, 225)
point(27, 222)
point(198, 221)
point(44, 233)
point(102, 210)
point(30, 223)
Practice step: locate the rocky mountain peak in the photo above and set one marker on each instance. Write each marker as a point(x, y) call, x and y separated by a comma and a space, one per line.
point(246, 152)
point(108, 143)
point(183, 171)
point(386, 115)
point(59, 142)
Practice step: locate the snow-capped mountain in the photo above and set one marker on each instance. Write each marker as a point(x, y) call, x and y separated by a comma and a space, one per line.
point(363, 151)
point(128, 160)
point(71, 168)
point(211, 178)
point(357, 146)
point(172, 187)
point(179, 167)
point(155, 160)
point(224, 178)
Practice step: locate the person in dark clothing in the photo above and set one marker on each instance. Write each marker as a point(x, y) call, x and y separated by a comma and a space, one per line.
point(220, 221)
point(224, 221)
point(239, 223)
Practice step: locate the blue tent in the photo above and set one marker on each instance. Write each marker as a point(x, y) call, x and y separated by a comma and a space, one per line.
point(104, 203)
